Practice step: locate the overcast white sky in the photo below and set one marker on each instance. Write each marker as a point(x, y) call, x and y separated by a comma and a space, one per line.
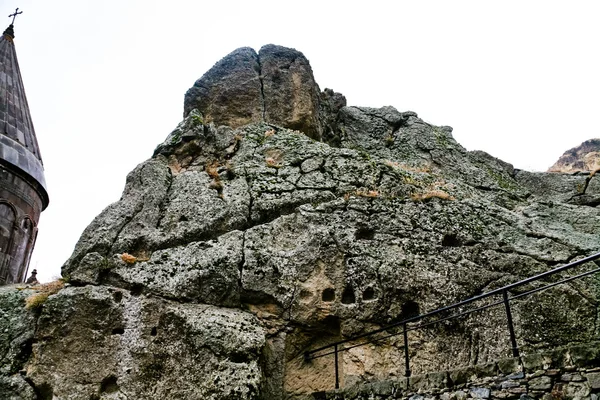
point(105, 79)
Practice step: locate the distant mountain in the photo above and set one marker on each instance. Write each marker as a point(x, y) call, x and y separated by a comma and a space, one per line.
point(585, 157)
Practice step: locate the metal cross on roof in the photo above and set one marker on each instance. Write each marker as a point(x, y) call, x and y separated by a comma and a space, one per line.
point(17, 12)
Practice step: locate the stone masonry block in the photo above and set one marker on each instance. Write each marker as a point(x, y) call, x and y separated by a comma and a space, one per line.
point(593, 380)
point(508, 365)
point(540, 383)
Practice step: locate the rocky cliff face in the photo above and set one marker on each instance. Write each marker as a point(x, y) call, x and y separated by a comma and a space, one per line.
point(583, 158)
point(275, 86)
point(275, 219)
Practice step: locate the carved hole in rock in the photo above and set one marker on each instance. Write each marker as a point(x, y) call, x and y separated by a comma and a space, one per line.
point(369, 294)
point(409, 309)
point(44, 391)
point(305, 293)
point(109, 385)
point(25, 351)
point(364, 233)
point(117, 297)
point(183, 218)
point(229, 172)
point(450, 240)
point(328, 295)
point(103, 274)
point(257, 297)
point(331, 324)
point(118, 331)
point(136, 289)
point(239, 358)
point(348, 296)
point(154, 331)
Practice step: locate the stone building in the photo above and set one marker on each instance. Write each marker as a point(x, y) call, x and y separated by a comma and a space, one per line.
point(23, 194)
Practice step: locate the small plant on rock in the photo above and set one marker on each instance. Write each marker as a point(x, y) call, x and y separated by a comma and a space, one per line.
point(44, 291)
point(367, 193)
point(212, 171)
point(272, 163)
point(197, 118)
point(128, 258)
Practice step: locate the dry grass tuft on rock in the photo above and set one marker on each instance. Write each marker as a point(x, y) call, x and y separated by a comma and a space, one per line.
point(367, 193)
point(362, 193)
point(44, 291)
point(211, 170)
point(272, 163)
point(131, 259)
point(128, 258)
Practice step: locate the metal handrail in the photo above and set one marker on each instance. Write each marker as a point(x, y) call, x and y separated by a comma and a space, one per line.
point(317, 353)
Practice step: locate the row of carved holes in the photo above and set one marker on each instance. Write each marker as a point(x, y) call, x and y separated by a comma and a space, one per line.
point(348, 296)
point(409, 309)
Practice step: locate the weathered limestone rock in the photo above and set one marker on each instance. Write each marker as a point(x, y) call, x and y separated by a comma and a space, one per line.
point(102, 342)
point(15, 388)
point(291, 95)
point(206, 272)
point(275, 86)
point(243, 242)
point(330, 105)
point(16, 330)
point(121, 225)
point(326, 242)
point(230, 93)
point(17, 327)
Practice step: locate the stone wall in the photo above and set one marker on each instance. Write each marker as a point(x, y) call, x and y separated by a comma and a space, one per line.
point(571, 372)
point(20, 208)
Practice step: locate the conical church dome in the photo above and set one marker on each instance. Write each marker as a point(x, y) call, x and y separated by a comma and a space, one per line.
point(23, 194)
point(18, 143)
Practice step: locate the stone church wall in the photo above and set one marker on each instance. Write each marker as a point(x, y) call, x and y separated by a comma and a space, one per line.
point(20, 208)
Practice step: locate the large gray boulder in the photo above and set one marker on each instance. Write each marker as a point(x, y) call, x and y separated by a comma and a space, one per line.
point(290, 92)
point(275, 85)
point(230, 93)
point(275, 219)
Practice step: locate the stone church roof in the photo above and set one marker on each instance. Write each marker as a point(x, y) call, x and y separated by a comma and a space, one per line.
point(18, 143)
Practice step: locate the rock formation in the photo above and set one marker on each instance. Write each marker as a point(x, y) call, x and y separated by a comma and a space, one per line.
point(583, 158)
point(275, 219)
point(275, 86)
